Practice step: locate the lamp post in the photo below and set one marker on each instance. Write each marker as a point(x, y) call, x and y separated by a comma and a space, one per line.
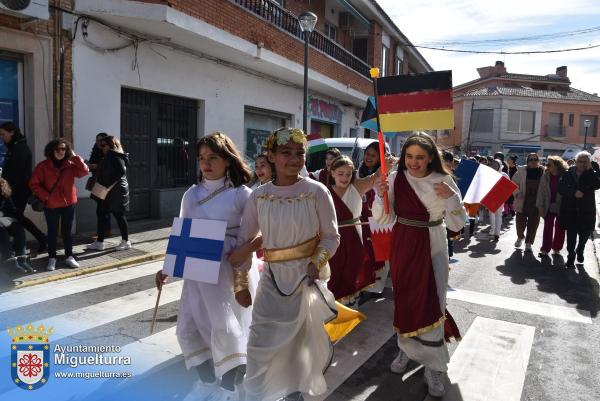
point(307, 22)
point(586, 124)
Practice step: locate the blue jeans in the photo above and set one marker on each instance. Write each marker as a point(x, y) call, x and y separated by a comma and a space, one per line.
point(65, 216)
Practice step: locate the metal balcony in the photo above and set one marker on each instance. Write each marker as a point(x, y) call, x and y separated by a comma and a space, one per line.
point(283, 19)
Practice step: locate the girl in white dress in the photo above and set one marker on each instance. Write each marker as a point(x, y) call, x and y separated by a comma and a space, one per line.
point(288, 347)
point(423, 201)
point(212, 328)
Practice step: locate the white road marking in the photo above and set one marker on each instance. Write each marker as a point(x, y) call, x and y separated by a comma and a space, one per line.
point(491, 361)
point(521, 305)
point(90, 317)
point(56, 289)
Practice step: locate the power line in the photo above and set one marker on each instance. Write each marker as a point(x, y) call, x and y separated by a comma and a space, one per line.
point(503, 52)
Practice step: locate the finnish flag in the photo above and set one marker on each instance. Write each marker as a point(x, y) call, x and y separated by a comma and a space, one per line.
point(195, 249)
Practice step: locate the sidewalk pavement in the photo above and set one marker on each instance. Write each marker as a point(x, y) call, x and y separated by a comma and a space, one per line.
point(149, 242)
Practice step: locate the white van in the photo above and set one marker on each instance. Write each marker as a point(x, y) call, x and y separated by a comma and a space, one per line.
point(352, 147)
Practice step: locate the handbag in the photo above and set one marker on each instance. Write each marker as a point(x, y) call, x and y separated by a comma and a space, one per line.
point(36, 204)
point(89, 184)
point(100, 191)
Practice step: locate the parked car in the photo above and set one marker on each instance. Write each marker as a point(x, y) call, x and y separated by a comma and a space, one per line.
point(351, 147)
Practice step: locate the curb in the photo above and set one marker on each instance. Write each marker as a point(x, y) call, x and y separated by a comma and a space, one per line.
point(121, 263)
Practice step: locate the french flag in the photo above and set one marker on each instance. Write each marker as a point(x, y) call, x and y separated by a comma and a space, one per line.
point(479, 183)
point(195, 248)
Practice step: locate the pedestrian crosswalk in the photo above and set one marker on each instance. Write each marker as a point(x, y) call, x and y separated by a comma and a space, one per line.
point(492, 350)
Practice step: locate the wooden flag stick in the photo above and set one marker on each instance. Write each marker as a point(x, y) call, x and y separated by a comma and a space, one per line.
point(374, 72)
point(155, 310)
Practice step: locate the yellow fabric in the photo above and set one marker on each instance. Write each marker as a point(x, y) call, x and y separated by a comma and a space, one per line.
point(417, 120)
point(300, 251)
point(346, 320)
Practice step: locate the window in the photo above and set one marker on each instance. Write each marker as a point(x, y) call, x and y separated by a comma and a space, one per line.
point(330, 31)
point(555, 125)
point(482, 120)
point(521, 121)
point(571, 119)
point(591, 131)
point(385, 53)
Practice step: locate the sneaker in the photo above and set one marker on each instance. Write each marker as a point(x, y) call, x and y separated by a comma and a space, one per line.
point(435, 386)
point(123, 246)
point(399, 363)
point(23, 265)
point(202, 391)
point(580, 257)
point(222, 394)
point(96, 246)
point(71, 263)
point(518, 242)
point(51, 264)
point(528, 247)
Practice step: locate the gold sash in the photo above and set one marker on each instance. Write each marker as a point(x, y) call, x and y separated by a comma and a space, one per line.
point(300, 251)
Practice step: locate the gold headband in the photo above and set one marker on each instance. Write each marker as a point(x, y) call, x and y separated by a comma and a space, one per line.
point(282, 136)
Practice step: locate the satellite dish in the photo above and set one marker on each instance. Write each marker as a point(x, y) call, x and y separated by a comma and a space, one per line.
point(16, 5)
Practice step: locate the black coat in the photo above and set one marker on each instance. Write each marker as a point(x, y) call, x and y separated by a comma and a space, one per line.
point(7, 207)
point(17, 169)
point(113, 168)
point(579, 213)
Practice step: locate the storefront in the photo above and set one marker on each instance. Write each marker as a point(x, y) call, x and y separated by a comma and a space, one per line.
point(325, 117)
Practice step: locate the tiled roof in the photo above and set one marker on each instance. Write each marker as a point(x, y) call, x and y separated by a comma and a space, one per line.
point(527, 77)
point(572, 94)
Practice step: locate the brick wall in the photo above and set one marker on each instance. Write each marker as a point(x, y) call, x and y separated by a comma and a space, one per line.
point(48, 29)
point(235, 20)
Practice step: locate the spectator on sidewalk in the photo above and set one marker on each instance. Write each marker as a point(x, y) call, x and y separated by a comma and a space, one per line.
point(548, 203)
point(53, 183)
point(96, 156)
point(578, 207)
point(17, 171)
point(10, 227)
point(527, 179)
point(112, 174)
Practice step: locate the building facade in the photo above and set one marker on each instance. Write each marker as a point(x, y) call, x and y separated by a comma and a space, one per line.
point(522, 113)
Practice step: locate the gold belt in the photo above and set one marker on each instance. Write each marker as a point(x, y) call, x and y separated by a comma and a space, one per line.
point(350, 221)
point(300, 251)
point(419, 223)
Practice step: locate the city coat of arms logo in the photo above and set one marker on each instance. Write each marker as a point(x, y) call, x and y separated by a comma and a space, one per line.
point(30, 356)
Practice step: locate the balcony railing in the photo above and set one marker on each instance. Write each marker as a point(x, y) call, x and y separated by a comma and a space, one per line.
point(274, 14)
point(556, 131)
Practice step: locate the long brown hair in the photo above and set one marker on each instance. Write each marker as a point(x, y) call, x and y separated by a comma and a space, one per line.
point(338, 162)
point(428, 145)
point(221, 144)
point(559, 162)
point(113, 143)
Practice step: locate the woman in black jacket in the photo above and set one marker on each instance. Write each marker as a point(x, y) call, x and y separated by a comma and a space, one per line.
point(578, 208)
point(17, 171)
point(111, 173)
point(10, 227)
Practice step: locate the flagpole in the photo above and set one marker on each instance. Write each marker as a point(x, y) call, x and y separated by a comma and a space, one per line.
point(374, 72)
point(155, 310)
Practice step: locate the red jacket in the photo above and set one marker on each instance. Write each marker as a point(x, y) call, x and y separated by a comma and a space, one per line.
point(45, 175)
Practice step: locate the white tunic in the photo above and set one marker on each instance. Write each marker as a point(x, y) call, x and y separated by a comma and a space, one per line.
point(354, 202)
point(288, 348)
point(454, 215)
point(211, 324)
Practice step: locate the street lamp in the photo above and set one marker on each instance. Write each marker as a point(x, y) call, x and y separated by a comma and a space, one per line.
point(307, 22)
point(586, 124)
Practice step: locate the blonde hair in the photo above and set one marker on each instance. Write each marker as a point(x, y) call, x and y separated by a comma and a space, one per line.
point(559, 162)
point(338, 162)
point(5, 189)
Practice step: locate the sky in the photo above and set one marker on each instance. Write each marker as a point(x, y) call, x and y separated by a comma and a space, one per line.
point(437, 22)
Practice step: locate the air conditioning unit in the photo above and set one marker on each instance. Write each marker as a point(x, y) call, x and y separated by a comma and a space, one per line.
point(346, 20)
point(26, 8)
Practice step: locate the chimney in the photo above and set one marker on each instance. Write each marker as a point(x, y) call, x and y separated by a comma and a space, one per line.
point(561, 71)
point(499, 68)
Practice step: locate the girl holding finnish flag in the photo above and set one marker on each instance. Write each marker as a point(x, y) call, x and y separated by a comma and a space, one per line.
point(288, 347)
point(423, 201)
point(212, 328)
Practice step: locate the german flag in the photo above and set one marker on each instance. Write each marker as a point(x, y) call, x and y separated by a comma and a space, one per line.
point(415, 102)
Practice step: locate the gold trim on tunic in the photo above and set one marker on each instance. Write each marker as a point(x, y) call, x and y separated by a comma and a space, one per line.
point(418, 223)
point(300, 251)
point(422, 330)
